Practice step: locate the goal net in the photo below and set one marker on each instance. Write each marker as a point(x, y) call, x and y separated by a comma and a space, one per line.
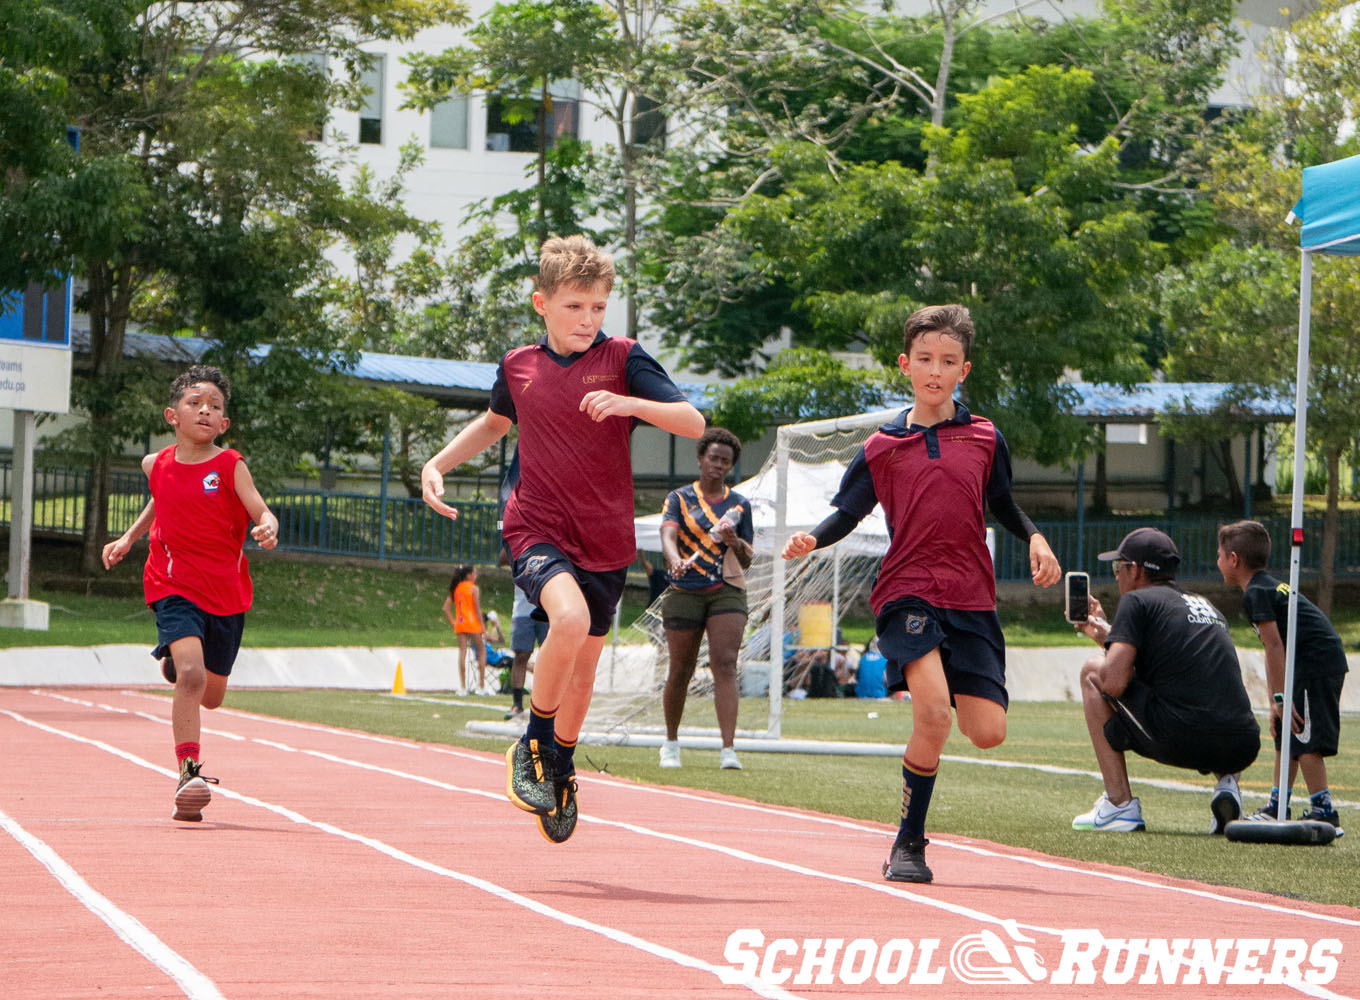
point(791, 492)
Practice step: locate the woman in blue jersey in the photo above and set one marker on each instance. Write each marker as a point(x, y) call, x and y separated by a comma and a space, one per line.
point(707, 541)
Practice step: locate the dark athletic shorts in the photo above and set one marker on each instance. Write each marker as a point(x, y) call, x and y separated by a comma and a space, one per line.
point(525, 632)
point(971, 646)
point(1137, 725)
point(541, 562)
point(685, 610)
point(178, 617)
point(1318, 700)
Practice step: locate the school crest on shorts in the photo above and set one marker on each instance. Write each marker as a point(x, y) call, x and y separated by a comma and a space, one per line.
point(212, 482)
point(916, 624)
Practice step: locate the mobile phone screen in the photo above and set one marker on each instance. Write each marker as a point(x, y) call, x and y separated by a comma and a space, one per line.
point(1078, 596)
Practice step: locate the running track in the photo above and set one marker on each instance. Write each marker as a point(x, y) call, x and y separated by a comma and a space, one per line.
point(341, 865)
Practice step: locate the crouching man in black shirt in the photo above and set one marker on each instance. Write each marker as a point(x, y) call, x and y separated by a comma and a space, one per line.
point(1168, 686)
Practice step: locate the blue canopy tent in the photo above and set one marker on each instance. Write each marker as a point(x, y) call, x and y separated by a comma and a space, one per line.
point(1330, 212)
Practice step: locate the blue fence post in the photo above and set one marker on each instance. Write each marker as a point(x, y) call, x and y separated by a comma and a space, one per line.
point(382, 505)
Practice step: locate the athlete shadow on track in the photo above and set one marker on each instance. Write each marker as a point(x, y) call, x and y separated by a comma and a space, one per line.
point(587, 889)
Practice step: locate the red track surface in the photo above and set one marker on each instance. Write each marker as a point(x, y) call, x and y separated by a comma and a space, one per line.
point(339, 865)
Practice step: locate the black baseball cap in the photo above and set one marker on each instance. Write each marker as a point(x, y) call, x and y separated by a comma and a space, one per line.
point(1149, 548)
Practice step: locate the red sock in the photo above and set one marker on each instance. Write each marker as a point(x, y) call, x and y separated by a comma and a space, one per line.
point(183, 750)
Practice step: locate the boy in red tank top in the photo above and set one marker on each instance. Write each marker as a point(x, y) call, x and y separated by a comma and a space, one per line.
point(196, 580)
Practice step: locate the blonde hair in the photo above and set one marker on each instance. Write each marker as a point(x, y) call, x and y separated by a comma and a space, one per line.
point(574, 261)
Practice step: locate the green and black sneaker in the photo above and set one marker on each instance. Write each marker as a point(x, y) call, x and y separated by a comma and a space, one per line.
point(192, 794)
point(529, 777)
point(559, 826)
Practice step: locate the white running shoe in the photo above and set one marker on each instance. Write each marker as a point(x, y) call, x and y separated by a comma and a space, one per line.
point(670, 753)
point(727, 759)
point(1106, 817)
point(1226, 805)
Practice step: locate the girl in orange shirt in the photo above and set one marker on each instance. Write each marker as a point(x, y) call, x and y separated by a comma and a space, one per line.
point(463, 609)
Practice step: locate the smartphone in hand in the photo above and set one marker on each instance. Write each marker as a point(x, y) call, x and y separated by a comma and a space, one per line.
point(1077, 597)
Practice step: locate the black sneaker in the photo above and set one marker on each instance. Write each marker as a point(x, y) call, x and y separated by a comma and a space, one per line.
point(559, 826)
point(1319, 815)
point(192, 794)
point(168, 670)
point(907, 862)
point(1266, 814)
point(529, 777)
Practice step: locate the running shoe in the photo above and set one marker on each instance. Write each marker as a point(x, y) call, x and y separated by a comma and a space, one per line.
point(670, 754)
point(1106, 817)
point(561, 824)
point(1320, 815)
point(727, 759)
point(192, 794)
point(907, 861)
point(529, 777)
point(168, 670)
point(1226, 805)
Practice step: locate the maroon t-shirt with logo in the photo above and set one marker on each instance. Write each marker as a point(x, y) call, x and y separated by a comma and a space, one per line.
point(575, 488)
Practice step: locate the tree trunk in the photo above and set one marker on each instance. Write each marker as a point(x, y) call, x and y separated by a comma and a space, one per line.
point(1327, 579)
point(1228, 466)
point(1100, 489)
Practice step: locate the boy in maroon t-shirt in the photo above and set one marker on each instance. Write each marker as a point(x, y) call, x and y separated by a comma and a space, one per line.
point(196, 580)
point(933, 469)
point(568, 522)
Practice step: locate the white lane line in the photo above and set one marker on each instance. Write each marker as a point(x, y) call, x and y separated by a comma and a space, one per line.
point(724, 974)
point(128, 928)
point(832, 821)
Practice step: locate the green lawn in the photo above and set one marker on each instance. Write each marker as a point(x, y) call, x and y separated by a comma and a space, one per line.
point(1027, 808)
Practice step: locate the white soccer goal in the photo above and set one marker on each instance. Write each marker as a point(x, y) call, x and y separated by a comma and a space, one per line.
point(791, 492)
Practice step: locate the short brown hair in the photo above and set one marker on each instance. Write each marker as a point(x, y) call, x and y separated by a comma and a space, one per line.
point(720, 435)
point(947, 320)
point(195, 374)
point(574, 261)
point(1249, 539)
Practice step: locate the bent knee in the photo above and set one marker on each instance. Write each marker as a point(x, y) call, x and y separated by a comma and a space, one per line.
point(984, 737)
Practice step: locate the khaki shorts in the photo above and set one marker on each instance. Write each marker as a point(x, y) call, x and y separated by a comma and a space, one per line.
point(684, 610)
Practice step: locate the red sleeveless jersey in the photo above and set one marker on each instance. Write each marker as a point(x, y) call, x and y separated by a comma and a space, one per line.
point(198, 534)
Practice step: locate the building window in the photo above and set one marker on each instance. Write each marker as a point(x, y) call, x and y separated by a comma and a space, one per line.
point(314, 63)
point(513, 124)
point(371, 114)
point(449, 123)
point(649, 122)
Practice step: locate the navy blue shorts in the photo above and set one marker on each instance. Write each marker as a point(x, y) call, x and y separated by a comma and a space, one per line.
point(602, 591)
point(178, 618)
point(971, 647)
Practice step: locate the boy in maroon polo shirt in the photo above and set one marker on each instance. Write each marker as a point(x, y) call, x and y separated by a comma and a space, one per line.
point(568, 523)
point(196, 580)
point(933, 468)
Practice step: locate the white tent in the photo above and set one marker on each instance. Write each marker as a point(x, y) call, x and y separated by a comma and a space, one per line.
point(808, 502)
point(1329, 210)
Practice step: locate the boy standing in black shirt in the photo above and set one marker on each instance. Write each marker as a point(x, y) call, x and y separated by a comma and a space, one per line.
point(1319, 666)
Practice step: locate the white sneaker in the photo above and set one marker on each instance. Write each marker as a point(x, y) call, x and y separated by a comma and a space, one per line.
point(1106, 817)
point(727, 759)
point(1226, 805)
point(670, 753)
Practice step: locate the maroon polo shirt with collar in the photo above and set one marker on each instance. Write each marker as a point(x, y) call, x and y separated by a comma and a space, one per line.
point(575, 488)
point(933, 483)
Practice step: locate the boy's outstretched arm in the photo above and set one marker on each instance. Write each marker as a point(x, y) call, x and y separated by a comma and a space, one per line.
point(266, 530)
point(833, 528)
point(120, 546)
point(475, 438)
point(679, 417)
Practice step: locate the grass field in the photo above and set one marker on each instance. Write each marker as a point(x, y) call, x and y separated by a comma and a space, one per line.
point(1025, 806)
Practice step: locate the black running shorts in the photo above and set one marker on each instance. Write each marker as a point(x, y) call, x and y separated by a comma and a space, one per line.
point(541, 562)
point(971, 646)
point(178, 618)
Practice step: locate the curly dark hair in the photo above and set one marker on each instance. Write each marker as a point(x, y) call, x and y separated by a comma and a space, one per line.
point(720, 435)
point(195, 374)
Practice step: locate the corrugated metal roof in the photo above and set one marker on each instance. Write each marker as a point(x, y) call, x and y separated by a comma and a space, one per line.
point(1147, 399)
point(462, 384)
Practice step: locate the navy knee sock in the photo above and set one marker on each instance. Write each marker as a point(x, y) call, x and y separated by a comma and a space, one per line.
point(917, 784)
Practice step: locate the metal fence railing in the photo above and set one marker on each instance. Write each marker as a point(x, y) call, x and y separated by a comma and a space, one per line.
point(402, 527)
